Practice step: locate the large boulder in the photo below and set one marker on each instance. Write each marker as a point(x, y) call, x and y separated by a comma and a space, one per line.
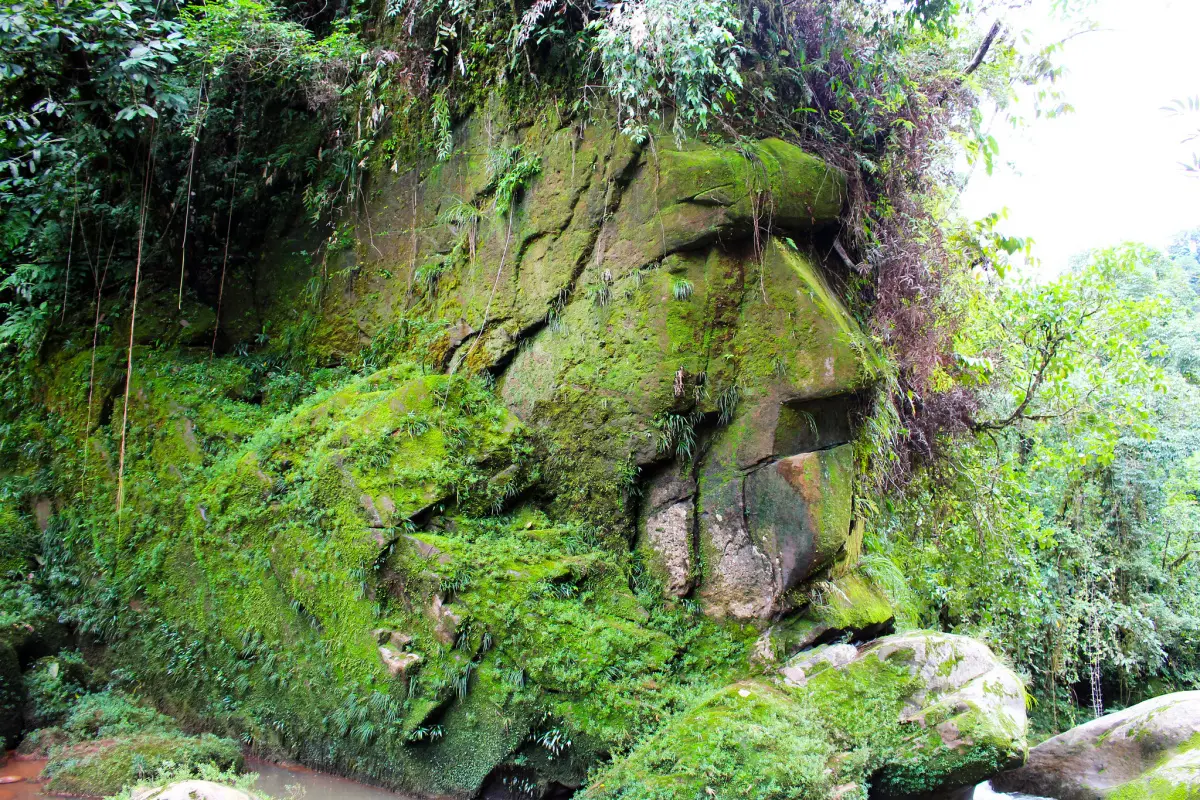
point(766, 528)
point(1151, 749)
point(955, 714)
point(964, 718)
point(903, 716)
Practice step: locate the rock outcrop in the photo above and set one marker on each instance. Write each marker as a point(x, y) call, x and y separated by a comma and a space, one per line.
point(1151, 749)
point(413, 559)
point(644, 312)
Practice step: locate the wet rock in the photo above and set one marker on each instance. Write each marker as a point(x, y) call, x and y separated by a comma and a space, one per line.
point(192, 790)
point(398, 664)
point(1151, 749)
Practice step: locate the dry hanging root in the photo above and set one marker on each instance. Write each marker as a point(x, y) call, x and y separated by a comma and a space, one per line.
point(71, 247)
point(225, 262)
point(87, 427)
point(137, 280)
point(187, 209)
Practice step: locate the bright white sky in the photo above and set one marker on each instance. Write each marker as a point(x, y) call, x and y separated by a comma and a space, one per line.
point(1109, 172)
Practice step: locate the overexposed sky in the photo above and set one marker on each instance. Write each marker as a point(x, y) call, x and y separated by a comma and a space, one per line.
point(1110, 171)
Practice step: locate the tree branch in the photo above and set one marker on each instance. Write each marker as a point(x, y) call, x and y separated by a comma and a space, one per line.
point(982, 52)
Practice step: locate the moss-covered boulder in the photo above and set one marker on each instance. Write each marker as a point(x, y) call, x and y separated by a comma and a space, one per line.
point(1148, 750)
point(903, 716)
point(749, 740)
point(963, 720)
point(104, 767)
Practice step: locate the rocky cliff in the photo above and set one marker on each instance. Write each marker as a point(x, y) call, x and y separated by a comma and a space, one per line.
point(574, 448)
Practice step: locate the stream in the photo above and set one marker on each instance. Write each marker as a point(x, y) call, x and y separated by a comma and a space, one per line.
point(287, 781)
point(984, 791)
point(282, 781)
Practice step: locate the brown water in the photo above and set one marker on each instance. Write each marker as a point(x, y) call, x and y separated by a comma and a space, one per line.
point(290, 780)
point(28, 787)
point(277, 780)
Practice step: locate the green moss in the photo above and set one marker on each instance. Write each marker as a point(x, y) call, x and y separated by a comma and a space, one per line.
point(52, 685)
point(104, 767)
point(1152, 787)
point(1175, 777)
point(16, 539)
point(852, 603)
point(748, 740)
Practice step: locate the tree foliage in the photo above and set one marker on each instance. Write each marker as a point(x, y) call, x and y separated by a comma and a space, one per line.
point(1064, 526)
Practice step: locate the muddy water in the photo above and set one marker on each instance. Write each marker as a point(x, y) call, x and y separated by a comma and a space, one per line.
point(276, 780)
point(28, 786)
point(287, 781)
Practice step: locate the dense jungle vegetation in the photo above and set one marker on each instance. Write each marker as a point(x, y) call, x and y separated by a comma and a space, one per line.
point(1029, 457)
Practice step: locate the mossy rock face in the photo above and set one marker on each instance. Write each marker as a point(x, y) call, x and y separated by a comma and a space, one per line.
point(687, 199)
point(275, 551)
point(422, 576)
point(626, 287)
point(1146, 750)
point(104, 767)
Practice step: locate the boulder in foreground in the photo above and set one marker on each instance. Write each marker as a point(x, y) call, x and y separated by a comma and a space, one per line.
point(903, 715)
point(1151, 749)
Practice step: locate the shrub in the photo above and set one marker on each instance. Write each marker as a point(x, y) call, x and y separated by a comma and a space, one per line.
point(52, 685)
point(105, 767)
point(659, 53)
